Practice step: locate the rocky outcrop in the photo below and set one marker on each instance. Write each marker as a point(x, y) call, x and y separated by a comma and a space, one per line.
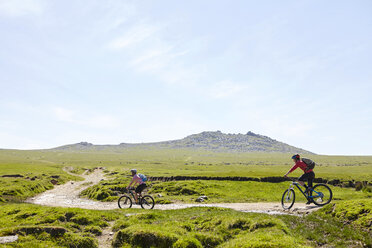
point(211, 141)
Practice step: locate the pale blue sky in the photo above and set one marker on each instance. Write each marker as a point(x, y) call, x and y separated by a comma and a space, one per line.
point(138, 71)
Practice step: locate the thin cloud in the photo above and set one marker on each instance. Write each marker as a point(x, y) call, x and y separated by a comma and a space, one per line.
point(157, 60)
point(135, 35)
point(148, 51)
point(78, 118)
point(225, 89)
point(17, 8)
point(150, 55)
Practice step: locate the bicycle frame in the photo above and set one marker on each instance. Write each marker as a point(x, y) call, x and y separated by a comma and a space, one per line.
point(318, 194)
point(131, 192)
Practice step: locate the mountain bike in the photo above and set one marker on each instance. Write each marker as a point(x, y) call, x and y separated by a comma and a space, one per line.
point(146, 201)
point(320, 195)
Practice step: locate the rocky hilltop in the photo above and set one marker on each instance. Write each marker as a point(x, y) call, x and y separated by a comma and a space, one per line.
point(211, 141)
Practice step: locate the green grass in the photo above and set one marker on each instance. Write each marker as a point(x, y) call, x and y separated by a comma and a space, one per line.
point(39, 226)
point(194, 163)
point(43, 164)
point(212, 227)
point(345, 224)
point(325, 231)
point(355, 212)
point(36, 179)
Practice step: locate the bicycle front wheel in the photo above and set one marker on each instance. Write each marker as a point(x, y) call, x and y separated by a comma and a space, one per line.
point(288, 198)
point(147, 202)
point(321, 194)
point(125, 202)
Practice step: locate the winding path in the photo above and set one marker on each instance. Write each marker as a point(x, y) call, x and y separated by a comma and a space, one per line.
point(67, 195)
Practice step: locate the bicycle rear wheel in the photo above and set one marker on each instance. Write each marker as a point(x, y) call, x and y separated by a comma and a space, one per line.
point(125, 202)
point(288, 198)
point(147, 202)
point(321, 195)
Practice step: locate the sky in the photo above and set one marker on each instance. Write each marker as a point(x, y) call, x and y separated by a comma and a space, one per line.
point(112, 71)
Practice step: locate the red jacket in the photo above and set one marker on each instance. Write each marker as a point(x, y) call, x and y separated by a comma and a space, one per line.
point(300, 165)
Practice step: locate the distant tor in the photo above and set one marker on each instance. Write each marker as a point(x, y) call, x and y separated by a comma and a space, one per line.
point(209, 140)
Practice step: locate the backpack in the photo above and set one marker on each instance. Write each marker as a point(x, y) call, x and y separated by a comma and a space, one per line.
point(310, 163)
point(143, 177)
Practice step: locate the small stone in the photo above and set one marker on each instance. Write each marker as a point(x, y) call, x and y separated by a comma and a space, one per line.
point(202, 198)
point(111, 233)
point(54, 182)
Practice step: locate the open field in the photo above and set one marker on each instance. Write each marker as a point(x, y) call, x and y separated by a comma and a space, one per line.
point(41, 165)
point(161, 162)
point(40, 226)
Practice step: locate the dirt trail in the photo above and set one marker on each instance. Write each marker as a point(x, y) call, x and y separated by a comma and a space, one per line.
point(105, 239)
point(67, 195)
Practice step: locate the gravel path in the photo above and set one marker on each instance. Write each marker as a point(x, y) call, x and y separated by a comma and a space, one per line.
point(67, 195)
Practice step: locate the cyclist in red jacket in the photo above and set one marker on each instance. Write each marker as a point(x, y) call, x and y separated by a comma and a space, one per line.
point(308, 175)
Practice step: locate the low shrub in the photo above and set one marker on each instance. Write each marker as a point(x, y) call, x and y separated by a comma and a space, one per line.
point(187, 242)
point(53, 231)
point(208, 240)
point(264, 239)
point(77, 241)
point(81, 220)
point(97, 231)
point(145, 236)
point(120, 224)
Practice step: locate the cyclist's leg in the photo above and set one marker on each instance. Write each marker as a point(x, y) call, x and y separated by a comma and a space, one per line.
point(139, 190)
point(136, 193)
point(311, 179)
point(302, 179)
